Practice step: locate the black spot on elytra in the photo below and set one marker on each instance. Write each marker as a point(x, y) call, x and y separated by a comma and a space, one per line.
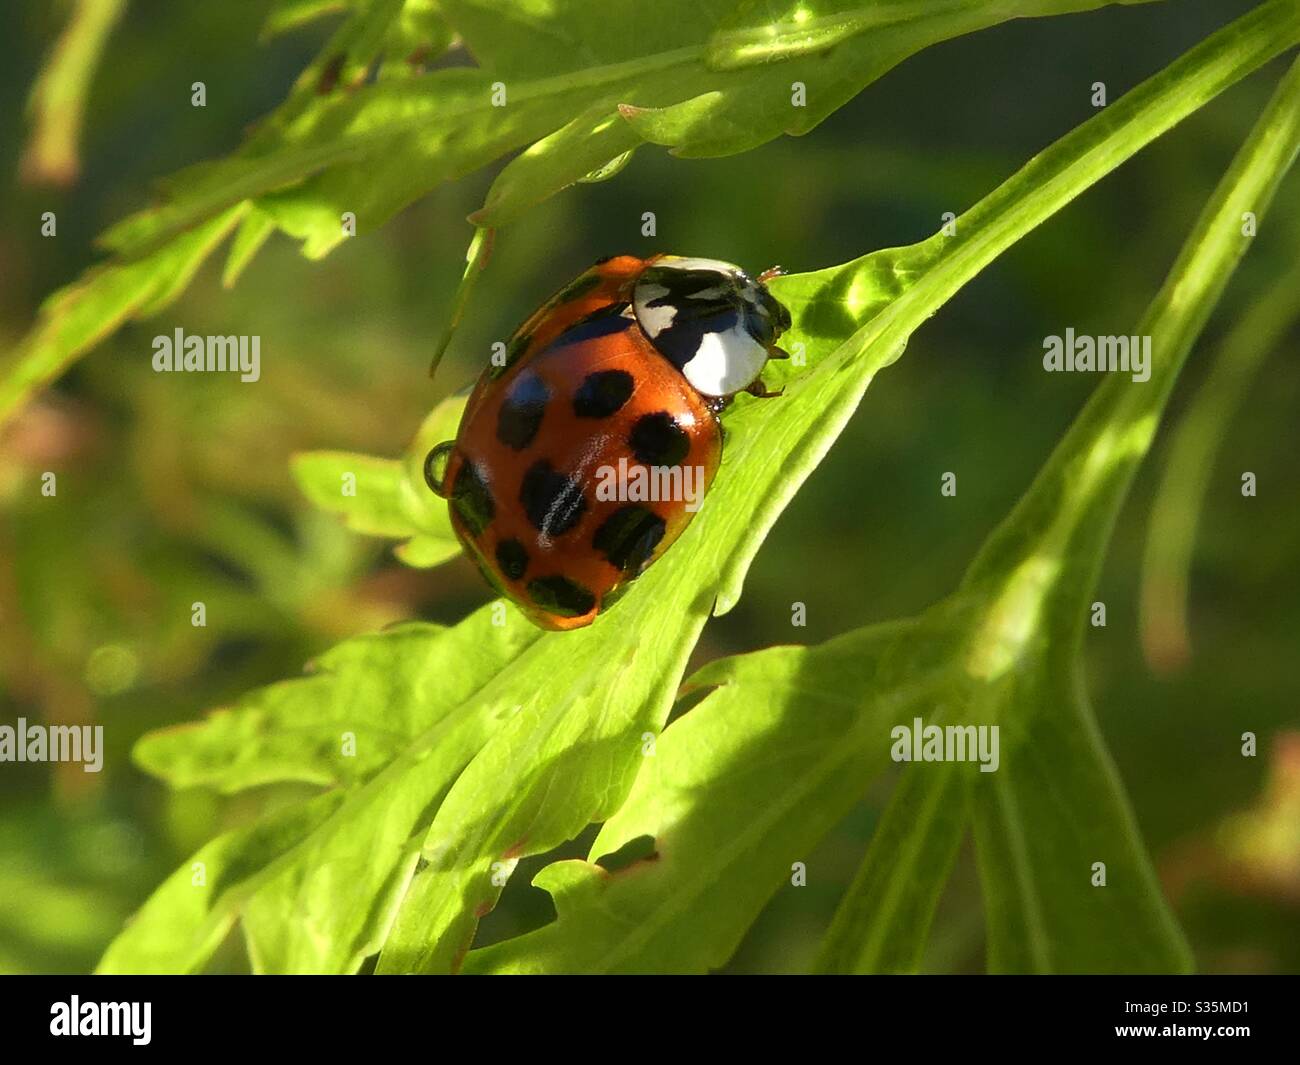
point(629, 537)
point(521, 411)
point(602, 393)
point(561, 596)
point(657, 440)
point(552, 501)
point(472, 499)
point(512, 557)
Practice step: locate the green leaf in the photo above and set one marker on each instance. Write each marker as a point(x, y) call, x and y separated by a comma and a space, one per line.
point(1057, 806)
point(766, 31)
point(189, 915)
point(555, 740)
point(476, 258)
point(1088, 479)
point(1193, 451)
point(342, 64)
point(338, 145)
point(771, 448)
point(254, 231)
point(713, 101)
point(77, 317)
point(58, 100)
point(286, 15)
point(328, 478)
point(419, 35)
point(733, 794)
point(573, 152)
point(390, 720)
point(883, 921)
point(1003, 652)
point(388, 497)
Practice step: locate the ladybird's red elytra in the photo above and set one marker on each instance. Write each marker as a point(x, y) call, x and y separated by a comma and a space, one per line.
point(581, 459)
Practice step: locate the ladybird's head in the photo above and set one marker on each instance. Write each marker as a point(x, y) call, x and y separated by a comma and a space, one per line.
point(710, 319)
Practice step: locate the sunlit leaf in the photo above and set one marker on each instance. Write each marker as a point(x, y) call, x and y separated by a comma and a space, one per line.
point(1193, 451)
point(341, 146)
point(186, 919)
point(390, 720)
point(388, 497)
point(554, 738)
point(58, 101)
point(76, 318)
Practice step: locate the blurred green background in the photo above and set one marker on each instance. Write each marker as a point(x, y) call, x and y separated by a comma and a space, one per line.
point(173, 489)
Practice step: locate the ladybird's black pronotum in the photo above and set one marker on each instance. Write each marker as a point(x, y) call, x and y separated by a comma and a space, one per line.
point(584, 455)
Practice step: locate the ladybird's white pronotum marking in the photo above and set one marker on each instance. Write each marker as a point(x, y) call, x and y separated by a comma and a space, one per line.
point(726, 362)
point(654, 320)
point(687, 262)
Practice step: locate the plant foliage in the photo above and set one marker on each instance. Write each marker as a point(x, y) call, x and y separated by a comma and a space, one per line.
point(436, 758)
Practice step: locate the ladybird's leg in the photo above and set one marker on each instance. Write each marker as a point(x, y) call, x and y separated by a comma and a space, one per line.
point(763, 392)
point(777, 353)
point(769, 273)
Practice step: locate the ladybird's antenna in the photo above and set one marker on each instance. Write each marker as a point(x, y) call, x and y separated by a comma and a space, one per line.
point(476, 258)
point(769, 273)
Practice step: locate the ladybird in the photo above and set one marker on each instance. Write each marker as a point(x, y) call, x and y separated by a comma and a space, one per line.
point(587, 451)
